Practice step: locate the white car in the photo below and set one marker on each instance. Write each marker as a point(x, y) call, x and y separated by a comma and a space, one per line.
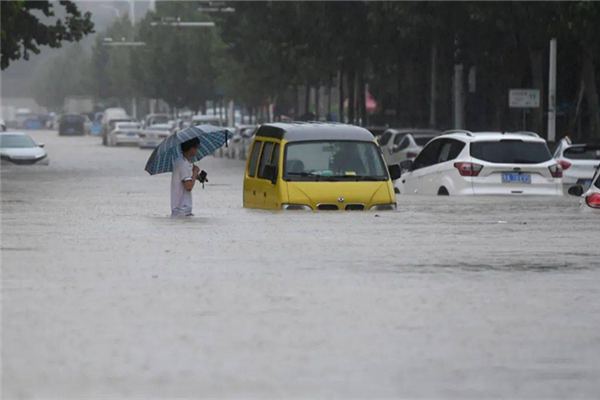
point(590, 200)
point(578, 161)
point(224, 150)
point(124, 133)
point(206, 120)
point(18, 148)
point(2, 125)
point(485, 163)
point(239, 147)
point(153, 135)
point(398, 145)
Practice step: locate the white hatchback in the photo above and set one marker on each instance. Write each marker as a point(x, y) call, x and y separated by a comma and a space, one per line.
point(486, 163)
point(578, 161)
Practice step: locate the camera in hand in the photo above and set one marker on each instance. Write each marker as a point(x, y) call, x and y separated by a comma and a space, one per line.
point(202, 178)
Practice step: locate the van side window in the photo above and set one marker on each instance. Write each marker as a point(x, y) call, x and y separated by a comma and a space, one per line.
point(254, 158)
point(275, 157)
point(264, 159)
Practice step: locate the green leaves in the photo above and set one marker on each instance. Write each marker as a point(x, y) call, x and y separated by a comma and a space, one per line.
point(22, 32)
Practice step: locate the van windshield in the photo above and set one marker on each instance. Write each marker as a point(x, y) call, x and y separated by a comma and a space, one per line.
point(334, 160)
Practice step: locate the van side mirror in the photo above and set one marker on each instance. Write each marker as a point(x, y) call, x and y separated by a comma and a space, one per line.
point(576, 190)
point(394, 171)
point(407, 165)
point(270, 173)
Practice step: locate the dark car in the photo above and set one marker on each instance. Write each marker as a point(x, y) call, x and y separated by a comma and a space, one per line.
point(71, 124)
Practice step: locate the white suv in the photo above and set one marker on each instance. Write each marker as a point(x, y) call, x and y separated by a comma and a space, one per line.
point(398, 145)
point(466, 163)
point(578, 161)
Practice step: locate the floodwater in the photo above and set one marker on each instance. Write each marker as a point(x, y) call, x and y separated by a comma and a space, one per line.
point(105, 296)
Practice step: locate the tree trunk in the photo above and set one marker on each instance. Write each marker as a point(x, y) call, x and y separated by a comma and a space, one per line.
point(588, 76)
point(297, 104)
point(328, 116)
point(306, 100)
point(362, 98)
point(536, 57)
point(399, 97)
point(341, 94)
point(351, 94)
point(317, 101)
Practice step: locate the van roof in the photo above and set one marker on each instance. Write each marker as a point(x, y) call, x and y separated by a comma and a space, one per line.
point(306, 131)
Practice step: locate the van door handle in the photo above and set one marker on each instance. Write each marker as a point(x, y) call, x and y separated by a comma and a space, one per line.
point(254, 192)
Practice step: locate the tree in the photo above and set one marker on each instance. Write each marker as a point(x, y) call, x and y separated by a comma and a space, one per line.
point(22, 32)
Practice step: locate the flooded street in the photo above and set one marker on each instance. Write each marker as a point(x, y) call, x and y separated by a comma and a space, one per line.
point(105, 296)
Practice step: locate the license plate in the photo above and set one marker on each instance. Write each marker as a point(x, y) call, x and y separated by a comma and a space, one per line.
point(130, 133)
point(151, 143)
point(516, 178)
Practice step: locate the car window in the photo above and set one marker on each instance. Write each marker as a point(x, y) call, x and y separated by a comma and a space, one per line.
point(404, 144)
point(16, 141)
point(399, 137)
point(449, 150)
point(428, 156)
point(265, 158)
point(385, 138)
point(511, 152)
point(254, 158)
point(275, 157)
point(597, 181)
point(333, 158)
point(582, 153)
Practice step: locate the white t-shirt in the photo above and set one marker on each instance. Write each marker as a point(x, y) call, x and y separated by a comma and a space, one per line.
point(181, 199)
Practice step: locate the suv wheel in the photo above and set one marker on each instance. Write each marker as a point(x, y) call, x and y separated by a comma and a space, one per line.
point(443, 192)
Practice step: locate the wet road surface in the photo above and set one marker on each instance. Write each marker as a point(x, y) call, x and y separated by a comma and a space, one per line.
point(105, 296)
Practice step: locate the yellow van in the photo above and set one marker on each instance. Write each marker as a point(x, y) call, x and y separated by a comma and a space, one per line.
point(317, 166)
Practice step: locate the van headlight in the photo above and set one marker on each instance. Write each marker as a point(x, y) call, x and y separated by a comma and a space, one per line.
point(296, 207)
point(383, 207)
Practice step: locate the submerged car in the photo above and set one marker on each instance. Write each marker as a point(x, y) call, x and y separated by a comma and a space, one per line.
point(151, 137)
point(590, 199)
point(484, 163)
point(18, 148)
point(317, 166)
point(578, 161)
point(124, 133)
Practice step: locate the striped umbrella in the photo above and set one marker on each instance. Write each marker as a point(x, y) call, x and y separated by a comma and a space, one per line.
point(162, 158)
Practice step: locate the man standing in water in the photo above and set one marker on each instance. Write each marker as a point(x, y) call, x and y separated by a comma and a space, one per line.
point(183, 179)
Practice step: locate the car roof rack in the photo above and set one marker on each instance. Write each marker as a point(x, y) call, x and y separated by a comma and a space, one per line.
point(465, 132)
point(526, 133)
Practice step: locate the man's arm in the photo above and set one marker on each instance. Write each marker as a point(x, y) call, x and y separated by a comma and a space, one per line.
point(189, 183)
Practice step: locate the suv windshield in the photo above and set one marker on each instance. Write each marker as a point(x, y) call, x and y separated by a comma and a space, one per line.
point(582, 153)
point(16, 141)
point(511, 152)
point(334, 160)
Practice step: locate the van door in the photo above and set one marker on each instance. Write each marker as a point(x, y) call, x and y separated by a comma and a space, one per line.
point(250, 180)
point(269, 192)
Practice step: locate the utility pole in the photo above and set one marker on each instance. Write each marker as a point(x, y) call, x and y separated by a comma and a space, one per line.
point(458, 87)
point(552, 93)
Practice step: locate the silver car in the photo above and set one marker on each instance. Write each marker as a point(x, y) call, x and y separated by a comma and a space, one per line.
point(17, 148)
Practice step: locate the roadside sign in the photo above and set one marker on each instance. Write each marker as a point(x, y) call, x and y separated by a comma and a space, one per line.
point(524, 98)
